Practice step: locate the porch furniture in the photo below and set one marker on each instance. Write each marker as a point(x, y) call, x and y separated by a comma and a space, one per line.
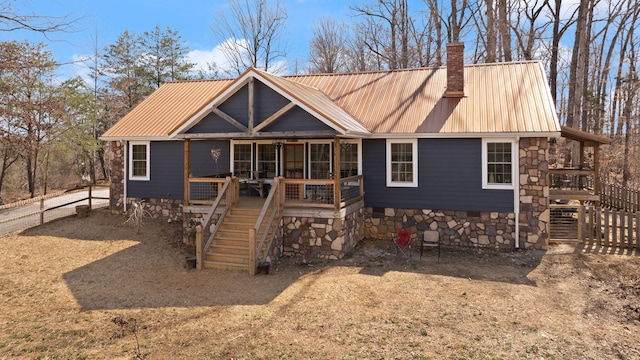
point(257, 185)
point(430, 239)
point(403, 243)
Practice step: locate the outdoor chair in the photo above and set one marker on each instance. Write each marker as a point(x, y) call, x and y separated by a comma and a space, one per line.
point(403, 243)
point(430, 239)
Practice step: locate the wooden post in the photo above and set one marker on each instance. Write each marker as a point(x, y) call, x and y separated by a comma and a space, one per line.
point(42, 211)
point(361, 186)
point(336, 172)
point(581, 224)
point(637, 233)
point(252, 252)
point(90, 207)
point(596, 171)
point(187, 170)
point(251, 105)
point(630, 230)
point(199, 247)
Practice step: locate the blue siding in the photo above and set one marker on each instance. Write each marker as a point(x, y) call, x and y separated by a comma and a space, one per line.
point(167, 167)
point(212, 123)
point(237, 106)
point(267, 102)
point(202, 163)
point(165, 173)
point(449, 178)
point(297, 119)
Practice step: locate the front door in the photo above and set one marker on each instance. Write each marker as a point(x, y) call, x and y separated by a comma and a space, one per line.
point(294, 169)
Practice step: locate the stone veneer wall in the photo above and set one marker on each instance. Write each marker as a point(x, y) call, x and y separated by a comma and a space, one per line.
point(323, 237)
point(483, 229)
point(461, 228)
point(534, 193)
point(117, 177)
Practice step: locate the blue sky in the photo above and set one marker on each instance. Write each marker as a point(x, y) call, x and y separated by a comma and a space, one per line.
point(191, 18)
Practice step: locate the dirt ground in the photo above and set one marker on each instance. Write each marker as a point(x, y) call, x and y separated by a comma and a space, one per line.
point(63, 284)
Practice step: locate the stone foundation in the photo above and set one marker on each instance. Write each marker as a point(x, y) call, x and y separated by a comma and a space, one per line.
point(330, 237)
point(456, 228)
point(534, 193)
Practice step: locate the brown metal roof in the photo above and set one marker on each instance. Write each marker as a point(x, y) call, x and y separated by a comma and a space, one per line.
point(499, 98)
point(166, 109)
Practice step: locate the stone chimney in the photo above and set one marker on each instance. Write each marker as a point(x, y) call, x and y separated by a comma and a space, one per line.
point(455, 70)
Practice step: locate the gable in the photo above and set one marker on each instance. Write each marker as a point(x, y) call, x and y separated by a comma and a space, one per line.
point(297, 119)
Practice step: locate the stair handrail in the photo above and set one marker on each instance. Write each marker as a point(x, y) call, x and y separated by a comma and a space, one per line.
point(226, 197)
point(256, 239)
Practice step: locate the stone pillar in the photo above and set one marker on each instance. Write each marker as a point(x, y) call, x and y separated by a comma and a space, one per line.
point(116, 203)
point(534, 193)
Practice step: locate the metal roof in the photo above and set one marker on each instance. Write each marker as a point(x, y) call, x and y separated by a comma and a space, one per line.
point(499, 98)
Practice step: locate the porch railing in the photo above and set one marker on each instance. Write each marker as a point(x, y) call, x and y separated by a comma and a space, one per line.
point(226, 197)
point(262, 235)
point(572, 179)
point(204, 190)
point(321, 193)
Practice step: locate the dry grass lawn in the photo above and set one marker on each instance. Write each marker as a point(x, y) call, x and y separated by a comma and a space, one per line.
point(62, 284)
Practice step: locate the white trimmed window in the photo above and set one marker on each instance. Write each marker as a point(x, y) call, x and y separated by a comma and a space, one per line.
point(319, 160)
point(139, 160)
point(350, 155)
point(402, 163)
point(498, 159)
point(242, 160)
point(267, 161)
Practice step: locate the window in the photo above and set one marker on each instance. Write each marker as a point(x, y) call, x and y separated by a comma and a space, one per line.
point(497, 164)
point(348, 159)
point(139, 160)
point(242, 160)
point(266, 161)
point(319, 161)
point(402, 163)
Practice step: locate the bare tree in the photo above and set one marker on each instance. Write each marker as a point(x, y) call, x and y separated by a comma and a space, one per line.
point(250, 35)
point(12, 19)
point(328, 51)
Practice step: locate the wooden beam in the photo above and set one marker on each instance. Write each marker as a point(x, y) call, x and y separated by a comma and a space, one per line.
point(263, 135)
point(187, 169)
point(274, 117)
point(251, 104)
point(336, 172)
point(229, 119)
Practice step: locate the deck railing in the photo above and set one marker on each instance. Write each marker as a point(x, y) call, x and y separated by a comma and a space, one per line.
point(204, 190)
point(267, 227)
point(572, 179)
point(227, 196)
point(321, 193)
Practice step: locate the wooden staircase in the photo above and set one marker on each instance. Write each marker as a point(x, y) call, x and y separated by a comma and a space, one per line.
point(230, 246)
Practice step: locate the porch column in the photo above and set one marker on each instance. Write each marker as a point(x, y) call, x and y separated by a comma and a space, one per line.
point(187, 169)
point(596, 171)
point(336, 172)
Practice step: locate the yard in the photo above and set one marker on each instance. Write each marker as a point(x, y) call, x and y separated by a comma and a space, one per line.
point(63, 284)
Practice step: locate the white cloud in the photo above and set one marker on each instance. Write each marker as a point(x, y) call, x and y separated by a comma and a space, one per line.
point(203, 57)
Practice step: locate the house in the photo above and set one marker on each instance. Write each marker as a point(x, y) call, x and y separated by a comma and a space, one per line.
point(457, 149)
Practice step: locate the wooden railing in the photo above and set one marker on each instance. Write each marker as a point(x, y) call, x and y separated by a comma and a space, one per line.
point(322, 193)
point(619, 197)
point(261, 236)
point(571, 179)
point(204, 190)
point(227, 196)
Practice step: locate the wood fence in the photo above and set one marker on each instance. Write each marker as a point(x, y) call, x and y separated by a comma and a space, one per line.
point(610, 227)
point(602, 226)
point(619, 197)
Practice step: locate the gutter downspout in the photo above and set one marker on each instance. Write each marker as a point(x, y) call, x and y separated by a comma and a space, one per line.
point(124, 165)
point(516, 193)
